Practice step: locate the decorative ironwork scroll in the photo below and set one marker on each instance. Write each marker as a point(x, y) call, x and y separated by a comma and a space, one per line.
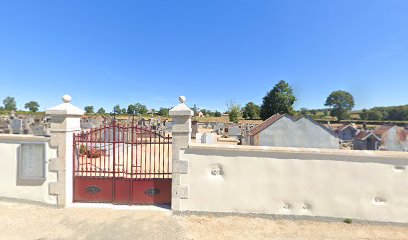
point(93, 189)
point(152, 191)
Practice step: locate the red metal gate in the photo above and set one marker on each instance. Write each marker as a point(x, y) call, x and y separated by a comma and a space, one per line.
point(122, 164)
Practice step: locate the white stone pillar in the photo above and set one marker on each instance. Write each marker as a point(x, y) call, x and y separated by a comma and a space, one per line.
point(65, 121)
point(181, 138)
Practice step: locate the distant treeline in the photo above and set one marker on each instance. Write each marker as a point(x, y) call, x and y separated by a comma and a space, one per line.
point(382, 114)
point(393, 113)
point(371, 122)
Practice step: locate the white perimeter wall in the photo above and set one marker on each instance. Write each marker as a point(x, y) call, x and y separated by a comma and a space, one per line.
point(10, 187)
point(364, 185)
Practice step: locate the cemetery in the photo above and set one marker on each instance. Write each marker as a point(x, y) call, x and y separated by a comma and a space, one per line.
point(295, 124)
point(197, 166)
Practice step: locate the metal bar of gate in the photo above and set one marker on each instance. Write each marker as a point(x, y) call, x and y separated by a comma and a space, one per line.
point(114, 159)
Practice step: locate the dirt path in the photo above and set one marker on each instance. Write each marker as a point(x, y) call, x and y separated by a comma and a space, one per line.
point(28, 221)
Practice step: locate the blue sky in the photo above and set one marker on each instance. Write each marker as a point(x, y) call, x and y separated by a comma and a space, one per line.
point(104, 53)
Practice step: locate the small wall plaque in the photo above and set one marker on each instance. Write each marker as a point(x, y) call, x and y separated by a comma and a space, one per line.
point(31, 161)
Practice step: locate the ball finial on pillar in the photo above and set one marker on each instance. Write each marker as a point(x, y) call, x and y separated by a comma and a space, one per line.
point(182, 99)
point(66, 98)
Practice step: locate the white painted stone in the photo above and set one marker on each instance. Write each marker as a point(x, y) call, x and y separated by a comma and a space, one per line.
point(181, 191)
point(65, 121)
point(180, 166)
point(31, 190)
point(182, 99)
point(315, 182)
point(66, 98)
point(65, 108)
point(181, 138)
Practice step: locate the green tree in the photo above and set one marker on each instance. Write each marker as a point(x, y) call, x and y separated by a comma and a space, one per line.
point(251, 111)
point(234, 111)
point(279, 100)
point(117, 109)
point(101, 111)
point(10, 104)
point(195, 109)
point(217, 114)
point(340, 103)
point(374, 114)
point(164, 112)
point(398, 113)
point(33, 106)
point(304, 111)
point(131, 109)
point(140, 109)
point(209, 113)
point(364, 114)
point(89, 109)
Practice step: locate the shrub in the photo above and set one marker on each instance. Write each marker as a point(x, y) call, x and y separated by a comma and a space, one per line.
point(82, 149)
point(348, 220)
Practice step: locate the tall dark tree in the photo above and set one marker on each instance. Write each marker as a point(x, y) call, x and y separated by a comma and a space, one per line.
point(195, 109)
point(131, 109)
point(279, 100)
point(10, 104)
point(340, 103)
point(32, 106)
point(117, 109)
point(101, 111)
point(89, 109)
point(251, 111)
point(140, 109)
point(217, 114)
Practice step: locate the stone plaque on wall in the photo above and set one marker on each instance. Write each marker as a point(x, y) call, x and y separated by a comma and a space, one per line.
point(32, 161)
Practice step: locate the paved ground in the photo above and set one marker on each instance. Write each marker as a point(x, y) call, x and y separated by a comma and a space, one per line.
point(28, 221)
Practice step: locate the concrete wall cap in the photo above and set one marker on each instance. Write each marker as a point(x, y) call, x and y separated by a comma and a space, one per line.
point(65, 108)
point(180, 110)
point(19, 138)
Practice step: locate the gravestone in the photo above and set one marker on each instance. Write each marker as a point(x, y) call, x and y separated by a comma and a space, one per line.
point(168, 125)
point(38, 130)
point(142, 122)
point(234, 131)
point(2, 125)
point(206, 138)
point(98, 121)
point(86, 125)
point(6, 127)
point(26, 125)
point(194, 128)
point(219, 128)
point(16, 126)
point(12, 115)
